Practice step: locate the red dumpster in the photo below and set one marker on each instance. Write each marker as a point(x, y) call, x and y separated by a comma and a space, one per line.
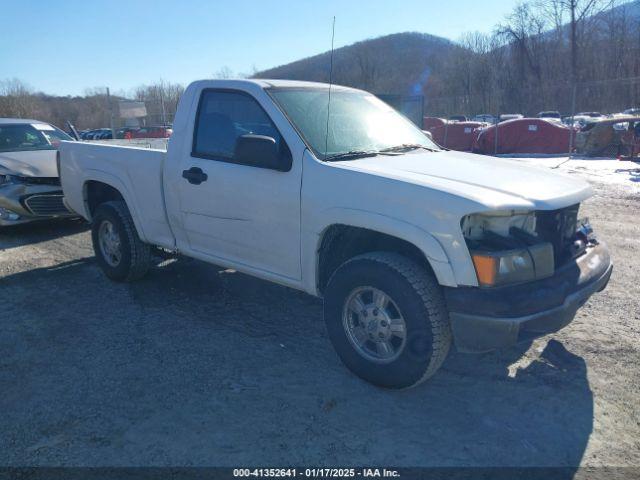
point(524, 135)
point(454, 135)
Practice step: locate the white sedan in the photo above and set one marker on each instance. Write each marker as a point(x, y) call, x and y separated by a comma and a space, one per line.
point(29, 183)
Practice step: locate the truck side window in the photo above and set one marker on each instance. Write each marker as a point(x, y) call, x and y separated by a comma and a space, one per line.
point(224, 116)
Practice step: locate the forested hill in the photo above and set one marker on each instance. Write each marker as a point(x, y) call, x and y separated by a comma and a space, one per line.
point(398, 63)
point(524, 65)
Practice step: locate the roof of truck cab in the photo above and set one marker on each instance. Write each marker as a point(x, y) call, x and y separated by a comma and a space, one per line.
point(20, 121)
point(276, 83)
point(292, 83)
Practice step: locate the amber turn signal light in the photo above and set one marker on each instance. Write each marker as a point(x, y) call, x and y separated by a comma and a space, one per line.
point(486, 269)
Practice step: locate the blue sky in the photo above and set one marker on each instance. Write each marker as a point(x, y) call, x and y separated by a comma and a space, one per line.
point(65, 46)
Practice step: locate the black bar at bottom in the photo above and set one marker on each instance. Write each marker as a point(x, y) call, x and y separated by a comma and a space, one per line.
point(422, 473)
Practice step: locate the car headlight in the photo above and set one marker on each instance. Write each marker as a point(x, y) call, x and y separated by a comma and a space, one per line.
point(6, 214)
point(505, 248)
point(513, 266)
point(10, 179)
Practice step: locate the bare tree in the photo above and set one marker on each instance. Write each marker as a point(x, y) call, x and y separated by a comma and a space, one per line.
point(224, 73)
point(578, 11)
point(524, 30)
point(18, 99)
point(161, 100)
point(365, 59)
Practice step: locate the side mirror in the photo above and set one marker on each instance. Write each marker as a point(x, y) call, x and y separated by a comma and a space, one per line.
point(261, 151)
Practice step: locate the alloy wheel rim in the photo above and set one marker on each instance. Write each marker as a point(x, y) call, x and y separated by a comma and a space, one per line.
point(110, 245)
point(374, 325)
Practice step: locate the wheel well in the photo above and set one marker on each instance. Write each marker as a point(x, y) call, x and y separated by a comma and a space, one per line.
point(97, 193)
point(342, 242)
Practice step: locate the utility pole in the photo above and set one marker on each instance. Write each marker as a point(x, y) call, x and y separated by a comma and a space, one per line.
point(164, 115)
point(495, 137)
point(573, 114)
point(111, 119)
point(573, 5)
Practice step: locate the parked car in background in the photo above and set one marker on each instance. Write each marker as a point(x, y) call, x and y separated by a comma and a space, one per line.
point(88, 134)
point(484, 118)
point(589, 114)
point(104, 134)
point(510, 116)
point(458, 118)
point(29, 184)
point(152, 132)
point(126, 132)
point(92, 134)
point(608, 137)
point(577, 121)
point(410, 246)
point(551, 114)
point(632, 111)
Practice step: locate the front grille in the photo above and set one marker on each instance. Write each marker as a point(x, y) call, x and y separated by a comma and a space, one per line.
point(46, 205)
point(42, 181)
point(559, 228)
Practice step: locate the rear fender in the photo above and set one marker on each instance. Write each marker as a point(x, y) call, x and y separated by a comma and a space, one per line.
point(116, 183)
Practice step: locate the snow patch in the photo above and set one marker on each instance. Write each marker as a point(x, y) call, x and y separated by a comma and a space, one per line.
point(620, 173)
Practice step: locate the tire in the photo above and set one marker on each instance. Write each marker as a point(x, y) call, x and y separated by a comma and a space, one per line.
point(413, 297)
point(131, 258)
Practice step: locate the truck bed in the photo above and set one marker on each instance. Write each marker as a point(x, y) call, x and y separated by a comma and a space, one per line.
point(136, 172)
point(146, 143)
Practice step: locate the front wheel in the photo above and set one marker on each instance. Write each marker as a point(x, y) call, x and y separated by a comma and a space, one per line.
point(119, 251)
point(387, 319)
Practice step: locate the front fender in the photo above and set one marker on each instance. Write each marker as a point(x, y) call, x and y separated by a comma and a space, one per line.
point(428, 245)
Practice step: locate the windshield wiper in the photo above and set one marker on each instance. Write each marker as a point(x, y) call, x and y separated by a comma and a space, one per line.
point(407, 146)
point(352, 154)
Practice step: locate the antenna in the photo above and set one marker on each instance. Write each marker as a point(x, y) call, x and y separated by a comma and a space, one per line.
point(326, 138)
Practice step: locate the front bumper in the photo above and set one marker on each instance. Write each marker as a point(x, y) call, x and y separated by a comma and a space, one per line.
point(31, 202)
point(484, 319)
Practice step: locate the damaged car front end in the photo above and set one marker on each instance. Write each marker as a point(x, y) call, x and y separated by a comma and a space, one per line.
point(29, 183)
point(535, 269)
point(24, 199)
point(609, 137)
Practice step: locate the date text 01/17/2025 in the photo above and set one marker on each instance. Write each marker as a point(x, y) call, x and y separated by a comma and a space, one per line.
point(316, 473)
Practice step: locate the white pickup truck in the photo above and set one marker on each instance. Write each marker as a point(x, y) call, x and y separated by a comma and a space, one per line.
point(330, 191)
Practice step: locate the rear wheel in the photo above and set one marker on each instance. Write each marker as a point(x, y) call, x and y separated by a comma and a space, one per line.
point(387, 319)
point(119, 251)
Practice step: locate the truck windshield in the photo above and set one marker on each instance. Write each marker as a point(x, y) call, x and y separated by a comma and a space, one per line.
point(358, 123)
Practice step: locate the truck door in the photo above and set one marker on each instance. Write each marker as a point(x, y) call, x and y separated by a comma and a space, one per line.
point(243, 213)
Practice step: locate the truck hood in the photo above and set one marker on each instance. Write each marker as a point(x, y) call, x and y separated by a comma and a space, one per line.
point(33, 163)
point(489, 181)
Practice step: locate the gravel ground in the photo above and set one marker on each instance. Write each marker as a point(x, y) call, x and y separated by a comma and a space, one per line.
point(198, 366)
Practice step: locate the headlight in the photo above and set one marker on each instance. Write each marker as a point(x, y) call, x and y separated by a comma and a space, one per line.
point(505, 249)
point(513, 266)
point(7, 179)
point(6, 214)
point(58, 164)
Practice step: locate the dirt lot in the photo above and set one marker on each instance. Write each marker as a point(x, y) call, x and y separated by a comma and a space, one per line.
point(197, 366)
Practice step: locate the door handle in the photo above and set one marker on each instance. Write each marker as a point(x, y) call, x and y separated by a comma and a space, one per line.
point(195, 175)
